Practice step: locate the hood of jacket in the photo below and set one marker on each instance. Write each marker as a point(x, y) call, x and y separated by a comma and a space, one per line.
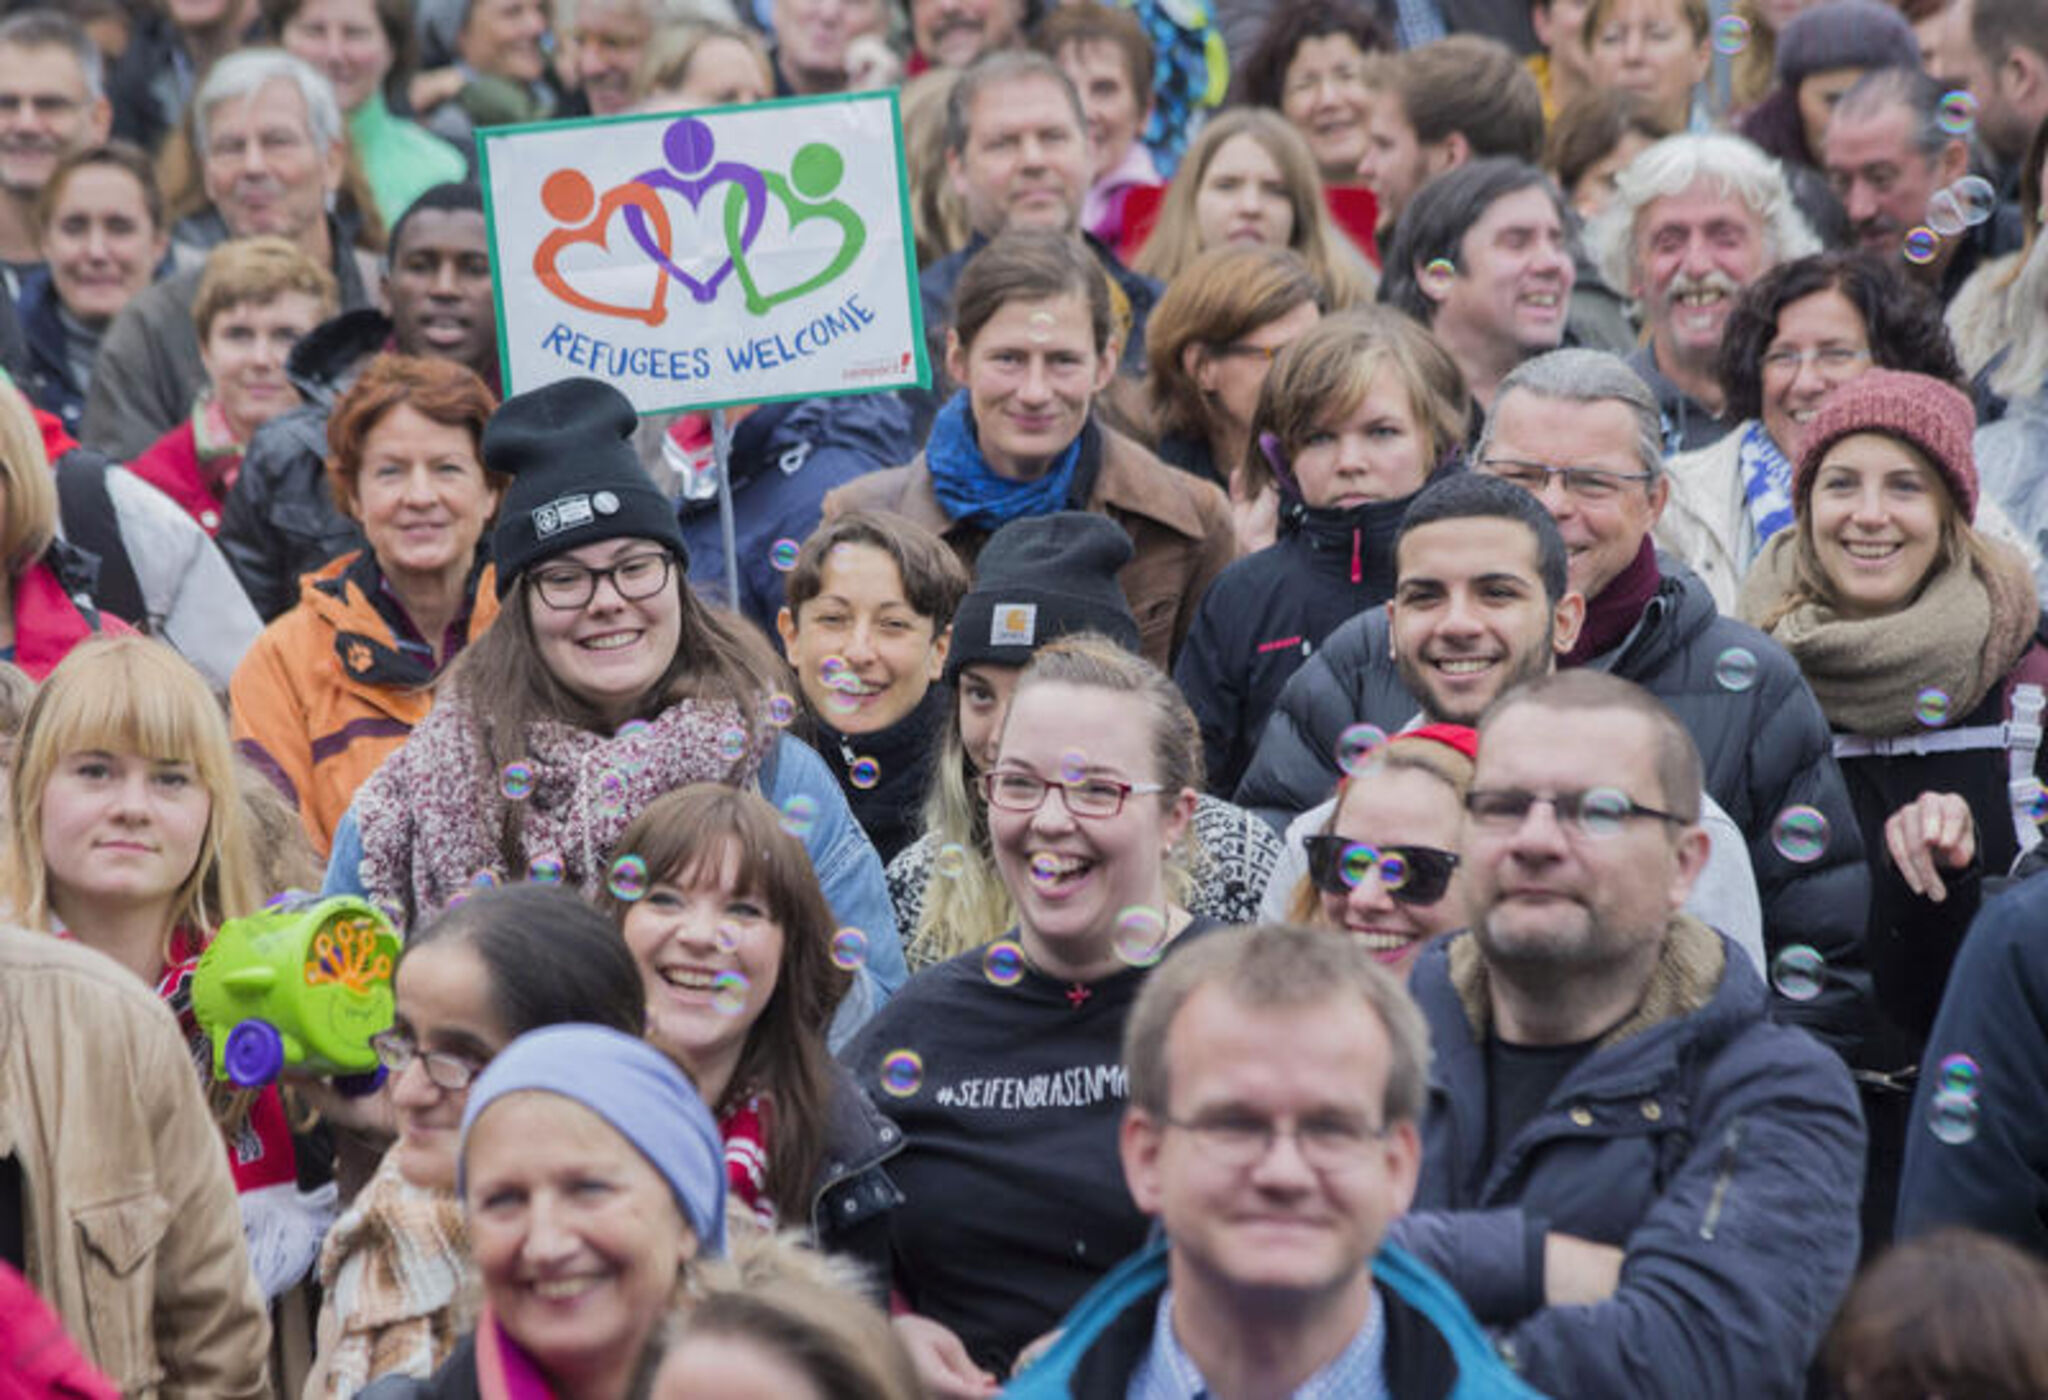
point(325, 363)
point(780, 437)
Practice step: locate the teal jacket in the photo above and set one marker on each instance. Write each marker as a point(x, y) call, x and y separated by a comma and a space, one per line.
point(1435, 1348)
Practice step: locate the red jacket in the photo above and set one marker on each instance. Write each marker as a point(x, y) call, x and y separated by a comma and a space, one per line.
point(171, 465)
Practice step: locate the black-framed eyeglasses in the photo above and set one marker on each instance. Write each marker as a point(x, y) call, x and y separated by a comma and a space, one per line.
point(1585, 483)
point(1240, 1141)
point(566, 587)
point(1014, 790)
point(395, 1050)
point(1595, 812)
point(1409, 874)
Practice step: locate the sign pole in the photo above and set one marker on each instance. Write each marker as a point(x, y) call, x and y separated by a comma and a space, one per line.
point(721, 454)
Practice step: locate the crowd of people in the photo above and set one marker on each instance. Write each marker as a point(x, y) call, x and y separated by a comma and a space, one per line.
point(1418, 772)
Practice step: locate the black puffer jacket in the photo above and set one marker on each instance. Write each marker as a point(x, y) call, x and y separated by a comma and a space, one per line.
point(281, 520)
point(1766, 748)
point(1267, 614)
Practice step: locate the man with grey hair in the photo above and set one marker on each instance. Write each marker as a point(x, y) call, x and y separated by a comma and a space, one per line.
point(1694, 221)
point(53, 103)
point(271, 152)
point(1277, 1076)
point(1894, 163)
point(1582, 433)
point(1621, 1153)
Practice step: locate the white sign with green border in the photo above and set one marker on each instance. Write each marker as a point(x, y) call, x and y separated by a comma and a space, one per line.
point(726, 256)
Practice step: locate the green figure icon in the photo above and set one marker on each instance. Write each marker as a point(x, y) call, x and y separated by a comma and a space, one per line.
point(805, 195)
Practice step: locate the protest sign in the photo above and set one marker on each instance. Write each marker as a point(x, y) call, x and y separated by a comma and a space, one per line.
point(724, 256)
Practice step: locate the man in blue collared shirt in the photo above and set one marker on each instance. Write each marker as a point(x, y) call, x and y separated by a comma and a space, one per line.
point(1276, 1080)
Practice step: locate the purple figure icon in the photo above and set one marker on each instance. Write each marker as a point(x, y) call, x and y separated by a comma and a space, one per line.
point(693, 169)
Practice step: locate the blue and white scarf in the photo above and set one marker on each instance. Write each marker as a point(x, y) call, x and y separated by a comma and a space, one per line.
point(970, 491)
point(1766, 485)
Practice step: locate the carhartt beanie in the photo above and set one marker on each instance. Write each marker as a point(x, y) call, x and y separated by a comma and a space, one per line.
point(630, 1085)
point(576, 478)
point(1845, 34)
point(1039, 578)
point(1934, 417)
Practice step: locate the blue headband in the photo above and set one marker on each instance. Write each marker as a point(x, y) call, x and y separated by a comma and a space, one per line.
point(633, 1087)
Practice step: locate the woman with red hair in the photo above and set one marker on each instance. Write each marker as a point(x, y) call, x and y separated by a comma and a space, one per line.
point(337, 683)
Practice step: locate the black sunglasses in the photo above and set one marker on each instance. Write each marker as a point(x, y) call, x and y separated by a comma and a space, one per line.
point(1409, 874)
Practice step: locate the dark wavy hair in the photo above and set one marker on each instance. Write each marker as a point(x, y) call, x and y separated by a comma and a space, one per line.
point(1902, 323)
point(685, 837)
point(1260, 79)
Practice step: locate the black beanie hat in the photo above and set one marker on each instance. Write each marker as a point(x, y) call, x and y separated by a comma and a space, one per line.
point(1039, 578)
point(576, 479)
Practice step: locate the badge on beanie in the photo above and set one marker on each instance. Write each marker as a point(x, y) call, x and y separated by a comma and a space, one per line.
point(562, 513)
point(1013, 625)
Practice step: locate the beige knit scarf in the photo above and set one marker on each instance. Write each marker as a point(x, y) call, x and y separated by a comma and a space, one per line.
point(1960, 636)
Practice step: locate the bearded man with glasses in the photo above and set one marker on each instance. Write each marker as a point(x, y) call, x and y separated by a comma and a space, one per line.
point(1629, 1173)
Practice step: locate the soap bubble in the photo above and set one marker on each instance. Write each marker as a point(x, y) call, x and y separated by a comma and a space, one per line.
point(782, 554)
point(1930, 707)
point(1073, 767)
point(1356, 863)
point(950, 862)
point(1440, 267)
point(611, 795)
point(1356, 744)
point(1731, 35)
point(781, 710)
point(1945, 213)
point(1393, 871)
point(729, 993)
point(632, 729)
point(1799, 972)
point(485, 880)
point(1977, 197)
point(864, 773)
point(1921, 246)
point(799, 815)
point(1003, 963)
point(628, 879)
point(516, 782)
point(1953, 1117)
point(732, 744)
point(902, 1073)
point(545, 870)
point(849, 948)
point(1735, 669)
point(1800, 834)
point(1957, 114)
point(1957, 1074)
point(1140, 935)
point(1045, 867)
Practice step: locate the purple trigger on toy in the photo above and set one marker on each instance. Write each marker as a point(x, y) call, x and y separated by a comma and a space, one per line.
point(253, 1055)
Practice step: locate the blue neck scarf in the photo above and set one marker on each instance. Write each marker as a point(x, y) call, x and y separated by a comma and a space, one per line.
point(1766, 484)
point(971, 492)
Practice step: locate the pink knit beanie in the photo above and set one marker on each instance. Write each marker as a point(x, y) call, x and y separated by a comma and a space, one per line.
point(1934, 417)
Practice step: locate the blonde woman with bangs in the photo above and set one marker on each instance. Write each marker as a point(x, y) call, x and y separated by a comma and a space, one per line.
point(45, 607)
point(948, 893)
point(1249, 180)
point(129, 837)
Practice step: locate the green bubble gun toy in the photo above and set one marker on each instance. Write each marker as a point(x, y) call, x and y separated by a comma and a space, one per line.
point(304, 983)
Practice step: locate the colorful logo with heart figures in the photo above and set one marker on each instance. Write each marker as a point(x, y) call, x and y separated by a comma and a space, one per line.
point(692, 224)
